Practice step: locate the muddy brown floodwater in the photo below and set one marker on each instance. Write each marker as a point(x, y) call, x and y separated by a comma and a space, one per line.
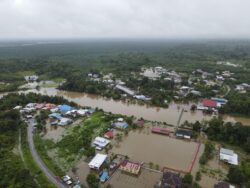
point(169, 115)
point(159, 149)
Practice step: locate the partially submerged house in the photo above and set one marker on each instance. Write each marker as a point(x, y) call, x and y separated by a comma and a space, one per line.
point(130, 167)
point(229, 156)
point(65, 121)
point(125, 90)
point(209, 103)
point(120, 125)
point(109, 134)
point(65, 108)
point(100, 143)
point(97, 161)
point(159, 130)
point(182, 133)
point(55, 116)
point(170, 180)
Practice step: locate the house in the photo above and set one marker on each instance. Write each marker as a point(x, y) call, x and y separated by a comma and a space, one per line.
point(159, 130)
point(229, 156)
point(109, 135)
point(82, 112)
point(97, 161)
point(181, 133)
point(40, 105)
point(222, 101)
point(130, 167)
point(142, 97)
point(56, 116)
point(209, 103)
point(64, 121)
point(197, 93)
point(31, 105)
point(65, 108)
point(223, 185)
point(199, 107)
point(17, 108)
point(125, 90)
point(120, 125)
point(100, 142)
point(31, 78)
point(104, 176)
point(170, 180)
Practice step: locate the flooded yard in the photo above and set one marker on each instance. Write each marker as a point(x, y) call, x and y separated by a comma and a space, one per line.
point(146, 179)
point(158, 149)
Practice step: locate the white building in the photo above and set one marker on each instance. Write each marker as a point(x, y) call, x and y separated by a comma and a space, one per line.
point(229, 156)
point(125, 90)
point(82, 112)
point(32, 78)
point(100, 142)
point(97, 161)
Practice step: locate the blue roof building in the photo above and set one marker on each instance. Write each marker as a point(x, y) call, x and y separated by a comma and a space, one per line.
point(65, 108)
point(55, 115)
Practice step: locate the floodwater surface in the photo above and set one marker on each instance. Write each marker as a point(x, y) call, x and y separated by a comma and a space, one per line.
point(158, 149)
point(169, 115)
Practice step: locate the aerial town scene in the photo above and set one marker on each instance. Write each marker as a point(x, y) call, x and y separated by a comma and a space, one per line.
point(153, 104)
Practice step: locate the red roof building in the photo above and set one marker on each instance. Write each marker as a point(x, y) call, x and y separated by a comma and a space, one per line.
point(159, 130)
point(209, 103)
point(130, 167)
point(109, 135)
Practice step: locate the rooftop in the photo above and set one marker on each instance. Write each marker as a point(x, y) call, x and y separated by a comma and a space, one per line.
point(97, 161)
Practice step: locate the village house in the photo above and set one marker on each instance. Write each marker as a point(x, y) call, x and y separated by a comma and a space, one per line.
point(159, 130)
point(31, 78)
point(100, 143)
point(228, 156)
point(65, 121)
point(125, 90)
point(169, 180)
point(109, 134)
point(120, 125)
point(181, 133)
point(97, 161)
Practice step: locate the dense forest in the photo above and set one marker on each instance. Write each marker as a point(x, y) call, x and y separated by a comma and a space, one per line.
point(72, 60)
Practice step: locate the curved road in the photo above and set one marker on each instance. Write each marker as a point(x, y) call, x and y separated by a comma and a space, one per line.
point(38, 160)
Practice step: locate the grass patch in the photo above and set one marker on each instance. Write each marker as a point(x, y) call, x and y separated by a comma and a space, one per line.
point(42, 146)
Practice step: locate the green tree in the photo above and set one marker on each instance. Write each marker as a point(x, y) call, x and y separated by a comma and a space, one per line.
point(92, 180)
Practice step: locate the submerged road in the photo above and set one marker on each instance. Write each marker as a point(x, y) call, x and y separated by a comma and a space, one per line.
point(38, 160)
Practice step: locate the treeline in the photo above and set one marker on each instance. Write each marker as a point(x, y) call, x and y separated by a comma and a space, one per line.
point(235, 134)
point(237, 104)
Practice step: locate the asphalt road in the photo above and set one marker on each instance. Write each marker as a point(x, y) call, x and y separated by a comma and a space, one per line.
point(38, 160)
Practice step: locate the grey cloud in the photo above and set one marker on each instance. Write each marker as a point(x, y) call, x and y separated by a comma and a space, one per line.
point(124, 18)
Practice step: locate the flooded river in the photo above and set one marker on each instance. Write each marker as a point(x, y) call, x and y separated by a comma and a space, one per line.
point(169, 115)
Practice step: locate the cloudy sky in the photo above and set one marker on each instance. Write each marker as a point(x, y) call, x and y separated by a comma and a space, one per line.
point(124, 19)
